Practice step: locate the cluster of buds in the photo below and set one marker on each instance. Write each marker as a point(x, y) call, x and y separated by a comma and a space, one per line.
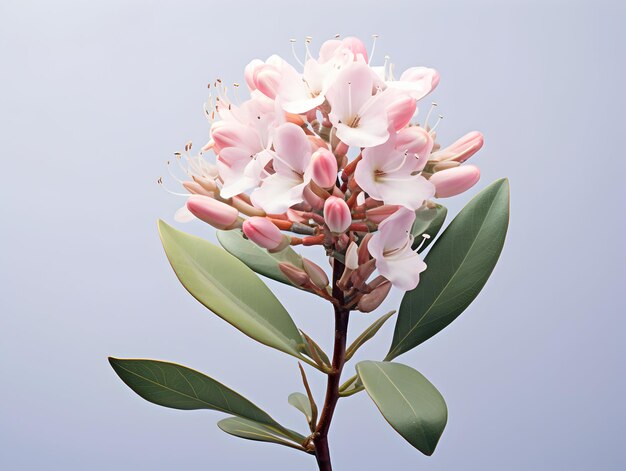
point(328, 156)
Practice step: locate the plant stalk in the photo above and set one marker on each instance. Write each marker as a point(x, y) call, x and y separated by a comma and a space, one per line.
point(322, 452)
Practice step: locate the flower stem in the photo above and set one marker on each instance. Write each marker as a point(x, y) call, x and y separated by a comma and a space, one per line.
point(322, 452)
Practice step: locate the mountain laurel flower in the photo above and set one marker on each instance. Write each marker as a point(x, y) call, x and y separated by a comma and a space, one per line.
point(462, 149)
point(454, 181)
point(324, 168)
point(391, 174)
point(337, 215)
point(391, 248)
point(265, 234)
point(213, 212)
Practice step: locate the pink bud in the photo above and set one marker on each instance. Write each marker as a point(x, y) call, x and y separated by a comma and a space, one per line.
point(196, 189)
point(454, 181)
point(337, 214)
point(416, 140)
point(400, 110)
point(379, 214)
point(316, 273)
point(250, 71)
point(426, 78)
point(295, 275)
point(371, 301)
point(265, 234)
point(364, 254)
point(352, 256)
point(324, 168)
point(267, 79)
point(312, 199)
point(356, 46)
point(213, 212)
point(462, 149)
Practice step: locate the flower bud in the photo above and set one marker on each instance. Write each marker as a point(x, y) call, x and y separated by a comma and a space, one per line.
point(379, 214)
point(462, 149)
point(267, 80)
point(364, 254)
point(337, 215)
point(229, 134)
point(454, 181)
point(416, 140)
point(356, 46)
point(324, 168)
point(400, 110)
point(213, 212)
point(424, 80)
point(352, 256)
point(312, 199)
point(295, 275)
point(249, 73)
point(316, 273)
point(265, 234)
point(371, 301)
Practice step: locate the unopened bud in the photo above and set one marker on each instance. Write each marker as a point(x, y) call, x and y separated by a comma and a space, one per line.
point(416, 140)
point(364, 253)
point(324, 168)
point(400, 110)
point(352, 256)
point(462, 149)
point(371, 301)
point(379, 214)
point(316, 273)
point(265, 234)
point(454, 181)
point(196, 189)
point(213, 212)
point(312, 199)
point(295, 275)
point(337, 215)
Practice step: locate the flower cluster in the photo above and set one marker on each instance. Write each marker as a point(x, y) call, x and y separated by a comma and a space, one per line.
point(330, 155)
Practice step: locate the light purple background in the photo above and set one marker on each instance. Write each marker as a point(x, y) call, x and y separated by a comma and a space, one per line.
point(96, 96)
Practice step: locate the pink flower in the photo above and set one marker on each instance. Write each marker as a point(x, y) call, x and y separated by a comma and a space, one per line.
point(417, 82)
point(337, 215)
point(391, 248)
point(390, 172)
point(291, 161)
point(454, 181)
point(360, 117)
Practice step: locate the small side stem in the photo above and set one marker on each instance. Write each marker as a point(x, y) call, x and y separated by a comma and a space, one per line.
point(322, 451)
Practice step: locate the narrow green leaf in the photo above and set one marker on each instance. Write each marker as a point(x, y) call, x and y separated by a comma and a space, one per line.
point(179, 387)
point(352, 386)
point(251, 430)
point(367, 335)
point(231, 290)
point(256, 258)
point(427, 221)
point(459, 265)
point(407, 400)
point(302, 403)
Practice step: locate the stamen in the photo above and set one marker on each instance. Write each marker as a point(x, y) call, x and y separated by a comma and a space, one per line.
point(385, 68)
point(374, 37)
point(425, 237)
point(169, 170)
point(160, 182)
point(337, 36)
point(433, 105)
point(293, 51)
point(350, 100)
point(307, 41)
point(440, 117)
point(406, 156)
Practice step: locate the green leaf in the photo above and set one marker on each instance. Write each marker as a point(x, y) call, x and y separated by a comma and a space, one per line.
point(256, 258)
point(427, 221)
point(351, 386)
point(302, 403)
point(367, 335)
point(231, 290)
point(459, 265)
point(407, 400)
point(179, 387)
point(251, 430)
